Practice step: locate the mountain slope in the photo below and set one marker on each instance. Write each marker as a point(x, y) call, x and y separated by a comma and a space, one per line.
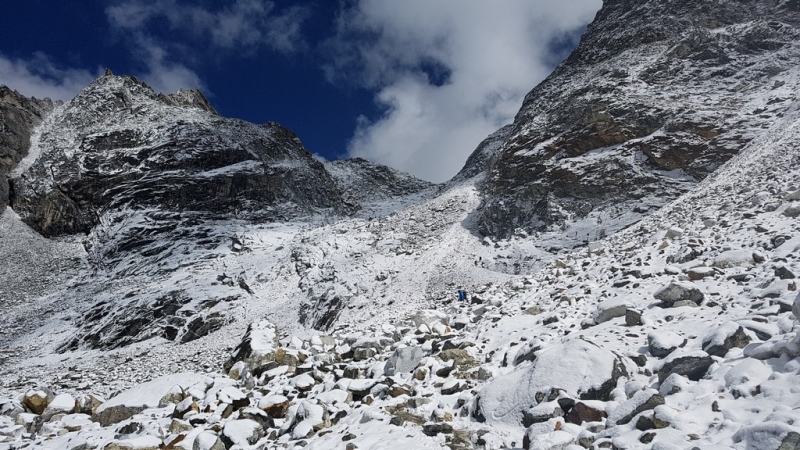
point(656, 97)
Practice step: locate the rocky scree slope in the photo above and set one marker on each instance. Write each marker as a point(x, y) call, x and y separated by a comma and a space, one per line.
point(658, 95)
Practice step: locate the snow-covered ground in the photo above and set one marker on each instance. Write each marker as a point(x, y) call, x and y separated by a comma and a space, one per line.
point(677, 332)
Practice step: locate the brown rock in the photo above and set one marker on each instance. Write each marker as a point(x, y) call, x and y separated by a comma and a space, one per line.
point(582, 412)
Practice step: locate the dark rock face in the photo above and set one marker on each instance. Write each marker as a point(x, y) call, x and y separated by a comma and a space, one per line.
point(18, 116)
point(639, 112)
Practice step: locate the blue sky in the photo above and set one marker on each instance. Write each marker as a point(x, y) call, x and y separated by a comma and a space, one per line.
point(415, 84)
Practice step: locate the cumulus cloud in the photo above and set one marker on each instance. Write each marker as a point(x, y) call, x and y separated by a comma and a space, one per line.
point(447, 73)
point(168, 37)
point(40, 77)
point(240, 25)
point(161, 71)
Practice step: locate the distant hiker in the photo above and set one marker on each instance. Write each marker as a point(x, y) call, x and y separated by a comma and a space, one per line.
point(462, 295)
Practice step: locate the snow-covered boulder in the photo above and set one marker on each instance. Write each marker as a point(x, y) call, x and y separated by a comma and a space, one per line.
point(242, 432)
point(136, 443)
point(724, 338)
point(429, 317)
point(61, 404)
point(581, 369)
point(641, 401)
point(144, 396)
point(403, 360)
point(662, 343)
point(610, 309)
point(733, 258)
point(259, 345)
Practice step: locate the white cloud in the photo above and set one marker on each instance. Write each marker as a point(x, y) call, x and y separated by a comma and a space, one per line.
point(447, 73)
point(240, 25)
point(161, 73)
point(40, 77)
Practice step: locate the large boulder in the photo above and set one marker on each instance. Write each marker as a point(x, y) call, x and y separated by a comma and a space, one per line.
point(640, 402)
point(610, 309)
point(144, 396)
point(662, 343)
point(403, 360)
point(242, 432)
point(259, 346)
point(724, 338)
point(36, 400)
point(677, 292)
point(693, 366)
point(61, 404)
point(577, 367)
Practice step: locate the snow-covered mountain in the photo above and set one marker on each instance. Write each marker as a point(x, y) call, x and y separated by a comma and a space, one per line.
point(629, 247)
point(656, 96)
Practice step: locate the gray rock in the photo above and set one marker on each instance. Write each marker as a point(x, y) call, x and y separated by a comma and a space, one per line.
point(610, 309)
point(633, 317)
point(791, 441)
point(362, 354)
point(784, 273)
point(692, 367)
point(432, 429)
point(793, 210)
point(404, 360)
point(678, 291)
